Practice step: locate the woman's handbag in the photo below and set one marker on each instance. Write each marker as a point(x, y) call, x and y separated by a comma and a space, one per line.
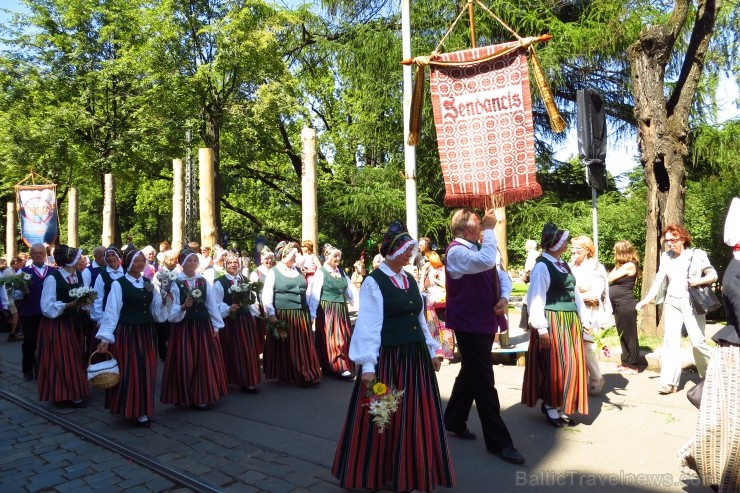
point(103, 375)
point(703, 299)
point(694, 394)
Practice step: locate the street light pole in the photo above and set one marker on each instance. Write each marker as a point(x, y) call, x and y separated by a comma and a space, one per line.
point(189, 190)
point(412, 218)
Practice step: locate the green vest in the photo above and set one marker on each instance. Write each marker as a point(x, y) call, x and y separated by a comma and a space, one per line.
point(401, 308)
point(63, 289)
point(561, 296)
point(289, 292)
point(333, 289)
point(198, 311)
point(136, 306)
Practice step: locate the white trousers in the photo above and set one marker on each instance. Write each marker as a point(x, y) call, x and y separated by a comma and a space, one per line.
point(678, 313)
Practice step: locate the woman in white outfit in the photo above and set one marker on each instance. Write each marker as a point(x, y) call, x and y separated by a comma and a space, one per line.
point(680, 267)
point(592, 284)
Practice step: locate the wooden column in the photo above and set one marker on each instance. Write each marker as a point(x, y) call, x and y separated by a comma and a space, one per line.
point(109, 211)
point(178, 205)
point(73, 238)
point(310, 227)
point(207, 197)
point(11, 248)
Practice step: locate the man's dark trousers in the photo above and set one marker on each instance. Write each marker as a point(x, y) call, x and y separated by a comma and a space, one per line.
point(475, 382)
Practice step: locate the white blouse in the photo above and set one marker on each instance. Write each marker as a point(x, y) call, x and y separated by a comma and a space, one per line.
point(177, 314)
point(223, 308)
point(50, 306)
point(317, 283)
point(98, 309)
point(114, 304)
point(365, 344)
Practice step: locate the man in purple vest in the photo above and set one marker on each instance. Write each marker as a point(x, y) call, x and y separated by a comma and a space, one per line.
point(90, 274)
point(30, 308)
point(476, 297)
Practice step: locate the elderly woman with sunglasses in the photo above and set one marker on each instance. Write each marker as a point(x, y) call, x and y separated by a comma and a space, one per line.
point(681, 266)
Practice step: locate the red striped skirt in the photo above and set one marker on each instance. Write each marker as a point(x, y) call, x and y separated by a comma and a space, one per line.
point(333, 334)
point(412, 452)
point(240, 345)
point(557, 373)
point(136, 352)
point(294, 358)
point(194, 368)
point(60, 350)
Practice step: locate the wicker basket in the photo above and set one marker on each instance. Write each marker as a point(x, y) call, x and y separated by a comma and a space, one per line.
point(103, 375)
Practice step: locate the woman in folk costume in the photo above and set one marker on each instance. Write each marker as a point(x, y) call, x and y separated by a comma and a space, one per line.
point(240, 338)
point(714, 451)
point(194, 369)
point(392, 344)
point(61, 345)
point(267, 260)
point(330, 291)
point(433, 287)
point(593, 286)
point(556, 361)
point(290, 354)
point(128, 330)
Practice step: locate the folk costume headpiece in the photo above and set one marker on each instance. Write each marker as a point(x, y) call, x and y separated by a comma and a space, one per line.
point(266, 253)
point(279, 250)
point(185, 254)
point(288, 252)
point(115, 250)
point(329, 249)
point(66, 256)
point(128, 259)
point(553, 238)
point(396, 241)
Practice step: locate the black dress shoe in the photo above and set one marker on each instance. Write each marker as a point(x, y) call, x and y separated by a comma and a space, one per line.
point(78, 405)
point(203, 407)
point(147, 423)
point(466, 434)
point(249, 390)
point(556, 422)
point(510, 455)
point(567, 420)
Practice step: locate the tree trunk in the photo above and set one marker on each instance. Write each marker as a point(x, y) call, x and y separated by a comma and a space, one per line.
point(663, 125)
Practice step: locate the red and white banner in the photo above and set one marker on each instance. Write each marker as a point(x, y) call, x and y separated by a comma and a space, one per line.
point(485, 134)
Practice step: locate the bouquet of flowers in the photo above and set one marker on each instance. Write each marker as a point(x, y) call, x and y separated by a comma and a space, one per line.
point(196, 294)
point(599, 341)
point(165, 278)
point(382, 403)
point(245, 293)
point(278, 328)
point(19, 281)
point(83, 295)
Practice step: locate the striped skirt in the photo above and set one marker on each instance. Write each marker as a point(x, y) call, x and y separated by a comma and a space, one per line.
point(412, 452)
point(240, 345)
point(557, 373)
point(294, 358)
point(136, 352)
point(714, 452)
point(194, 368)
point(333, 334)
point(59, 352)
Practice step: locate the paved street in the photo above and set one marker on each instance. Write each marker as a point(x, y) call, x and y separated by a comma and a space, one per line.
point(282, 440)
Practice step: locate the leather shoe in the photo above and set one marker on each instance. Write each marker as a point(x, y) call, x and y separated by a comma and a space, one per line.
point(147, 423)
point(556, 422)
point(78, 405)
point(466, 434)
point(201, 407)
point(510, 455)
point(567, 420)
point(249, 390)
point(28, 375)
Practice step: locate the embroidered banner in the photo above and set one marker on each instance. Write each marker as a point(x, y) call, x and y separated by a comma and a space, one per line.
point(37, 208)
point(485, 134)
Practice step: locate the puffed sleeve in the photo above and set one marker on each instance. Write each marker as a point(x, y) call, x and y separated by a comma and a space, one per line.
point(112, 313)
point(97, 311)
point(218, 291)
point(350, 292)
point(212, 305)
point(314, 292)
point(176, 312)
point(268, 293)
point(50, 307)
point(160, 309)
point(365, 343)
point(539, 283)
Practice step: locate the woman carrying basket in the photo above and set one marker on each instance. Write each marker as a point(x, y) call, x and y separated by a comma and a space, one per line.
point(134, 305)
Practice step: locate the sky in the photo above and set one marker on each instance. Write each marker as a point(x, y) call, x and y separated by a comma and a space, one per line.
point(621, 153)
